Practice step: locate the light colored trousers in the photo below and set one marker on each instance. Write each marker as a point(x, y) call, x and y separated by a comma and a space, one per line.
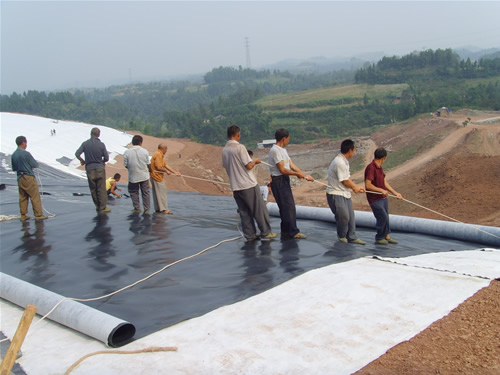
point(160, 199)
point(28, 189)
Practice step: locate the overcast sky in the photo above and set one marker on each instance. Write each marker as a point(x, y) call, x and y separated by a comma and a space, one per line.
point(56, 45)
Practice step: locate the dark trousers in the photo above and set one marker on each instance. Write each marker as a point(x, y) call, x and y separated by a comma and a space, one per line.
point(133, 189)
point(380, 209)
point(344, 216)
point(251, 206)
point(282, 192)
point(97, 186)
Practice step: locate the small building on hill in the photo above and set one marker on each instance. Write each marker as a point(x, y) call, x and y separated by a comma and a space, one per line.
point(443, 112)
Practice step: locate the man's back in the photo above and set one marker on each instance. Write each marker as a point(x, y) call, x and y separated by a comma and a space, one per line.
point(95, 153)
point(23, 162)
point(136, 160)
point(234, 160)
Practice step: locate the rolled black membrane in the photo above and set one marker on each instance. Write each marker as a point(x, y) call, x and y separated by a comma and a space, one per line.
point(81, 254)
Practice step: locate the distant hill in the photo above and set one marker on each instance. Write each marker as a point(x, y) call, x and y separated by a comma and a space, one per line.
point(476, 54)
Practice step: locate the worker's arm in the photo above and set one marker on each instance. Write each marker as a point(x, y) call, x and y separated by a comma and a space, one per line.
point(294, 168)
point(351, 185)
point(389, 187)
point(252, 164)
point(370, 187)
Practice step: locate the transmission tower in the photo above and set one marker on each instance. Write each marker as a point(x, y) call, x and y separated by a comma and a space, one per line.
point(247, 47)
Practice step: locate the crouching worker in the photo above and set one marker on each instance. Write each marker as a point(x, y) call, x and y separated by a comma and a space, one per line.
point(246, 192)
point(111, 186)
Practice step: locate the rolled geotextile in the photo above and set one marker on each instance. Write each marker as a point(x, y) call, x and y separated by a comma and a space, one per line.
point(112, 331)
point(448, 229)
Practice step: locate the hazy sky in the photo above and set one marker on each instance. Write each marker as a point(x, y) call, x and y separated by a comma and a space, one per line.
point(54, 45)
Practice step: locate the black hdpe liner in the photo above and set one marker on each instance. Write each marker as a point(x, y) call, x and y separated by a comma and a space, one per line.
point(84, 255)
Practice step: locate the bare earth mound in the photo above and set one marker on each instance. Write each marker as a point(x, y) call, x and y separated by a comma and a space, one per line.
point(466, 341)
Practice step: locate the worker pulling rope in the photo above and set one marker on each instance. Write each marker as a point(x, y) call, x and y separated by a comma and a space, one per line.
point(418, 205)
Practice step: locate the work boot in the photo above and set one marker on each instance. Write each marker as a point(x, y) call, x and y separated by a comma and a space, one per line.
point(357, 241)
point(269, 236)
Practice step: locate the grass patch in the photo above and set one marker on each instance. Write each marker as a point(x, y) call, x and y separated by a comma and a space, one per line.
point(333, 92)
point(396, 158)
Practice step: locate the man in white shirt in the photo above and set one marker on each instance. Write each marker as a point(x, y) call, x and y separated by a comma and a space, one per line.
point(136, 160)
point(338, 193)
point(246, 192)
point(282, 168)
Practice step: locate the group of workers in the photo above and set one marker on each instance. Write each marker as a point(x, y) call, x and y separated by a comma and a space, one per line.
point(251, 206)
point(143, 171)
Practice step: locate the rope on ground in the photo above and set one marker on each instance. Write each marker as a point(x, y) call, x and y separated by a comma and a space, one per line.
point(141, 280)
point(49, 214)
point(152, 349)
point(9, 217)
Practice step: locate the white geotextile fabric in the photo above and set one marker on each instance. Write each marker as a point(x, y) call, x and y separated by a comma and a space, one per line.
point(331, 320)
point(46, 148)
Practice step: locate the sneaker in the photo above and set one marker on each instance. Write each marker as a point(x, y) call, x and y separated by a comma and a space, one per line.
point(382, 242)
point(41, 217)
point(269, 236)
point(343, 239)
point(24, 218)
point(136, 211)
point(357, 241)
point(146, 212)
point(391, 240)
point(299, 236)
point(105, 211)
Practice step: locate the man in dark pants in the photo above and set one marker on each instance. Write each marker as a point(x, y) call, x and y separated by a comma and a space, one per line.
point(96, 156)
point(282, 168)
point(375, 181)
point(338, 194)
point(246, 192)
point(23, 163)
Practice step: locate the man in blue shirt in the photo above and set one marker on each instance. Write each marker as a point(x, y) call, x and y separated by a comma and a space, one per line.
point(23, 163)
point(95, 157)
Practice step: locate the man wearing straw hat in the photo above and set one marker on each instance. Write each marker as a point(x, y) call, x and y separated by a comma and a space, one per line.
point(246, 192)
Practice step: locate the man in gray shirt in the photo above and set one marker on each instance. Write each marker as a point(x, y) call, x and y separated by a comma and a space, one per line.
point(95, 157)
point(246, 192)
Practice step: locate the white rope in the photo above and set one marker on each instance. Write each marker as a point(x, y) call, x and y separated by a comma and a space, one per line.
point(141, 280)
point(418, 205)
point(204, 179)
point(49, 214)
point(9, 217)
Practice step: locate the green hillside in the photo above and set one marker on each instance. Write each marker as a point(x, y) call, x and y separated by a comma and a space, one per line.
point(333, 94)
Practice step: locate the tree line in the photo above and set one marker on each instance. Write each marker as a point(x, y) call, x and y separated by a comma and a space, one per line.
point(202, 111)
point(425, 66)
